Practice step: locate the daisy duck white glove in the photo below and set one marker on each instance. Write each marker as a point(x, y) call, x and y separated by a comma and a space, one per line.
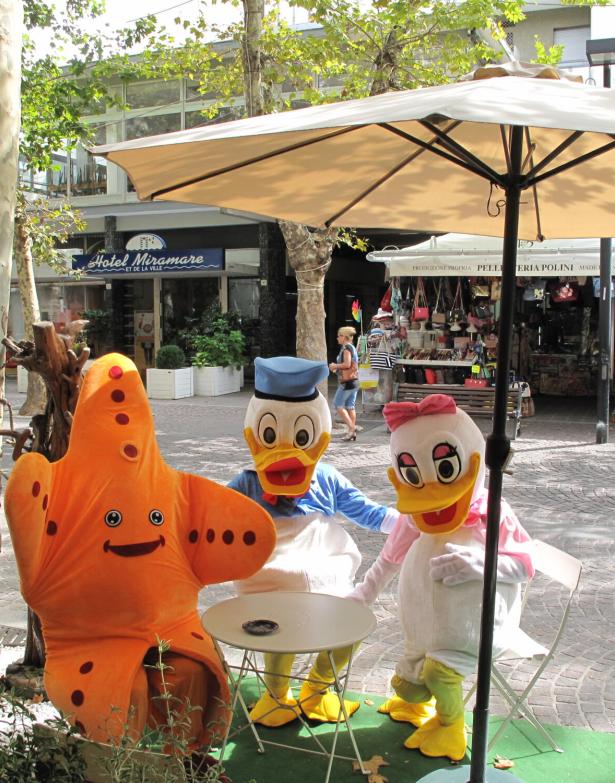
point(380, 574)
point(464, 564)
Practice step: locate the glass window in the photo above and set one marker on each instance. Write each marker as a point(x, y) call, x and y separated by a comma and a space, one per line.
point(244, 296)
point(152, 93)
point(193, 92)
point(225, 114)
point(88, 172)
point(573, 40)
point(183, 302)
point(136, 127)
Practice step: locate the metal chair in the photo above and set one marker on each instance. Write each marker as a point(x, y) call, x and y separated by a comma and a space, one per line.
point(564, 569)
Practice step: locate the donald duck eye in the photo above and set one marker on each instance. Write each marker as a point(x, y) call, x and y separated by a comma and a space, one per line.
point(156, 517)
point(409, 470)
point(304, 432)
point(113, 518)
point(447, 462)
point(268, 430)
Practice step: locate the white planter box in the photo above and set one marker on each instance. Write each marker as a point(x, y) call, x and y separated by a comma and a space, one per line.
point(169, 384)
point(212, 381)
point(22, 379)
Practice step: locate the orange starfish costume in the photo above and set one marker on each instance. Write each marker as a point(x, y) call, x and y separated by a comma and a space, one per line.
point(113, 546)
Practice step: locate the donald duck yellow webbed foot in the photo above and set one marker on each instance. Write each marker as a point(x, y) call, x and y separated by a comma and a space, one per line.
point(406, 712)
point(435, 739)
point(275, 712)
point(323, 706)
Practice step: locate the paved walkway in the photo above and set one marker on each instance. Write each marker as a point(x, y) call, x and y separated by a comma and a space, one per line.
point(562, 489)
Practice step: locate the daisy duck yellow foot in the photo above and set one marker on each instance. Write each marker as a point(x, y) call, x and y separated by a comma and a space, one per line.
point(435, 739)
point(400, 710)
point(275, 711)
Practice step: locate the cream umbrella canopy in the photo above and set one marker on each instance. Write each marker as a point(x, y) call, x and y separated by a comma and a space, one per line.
point(525, 155)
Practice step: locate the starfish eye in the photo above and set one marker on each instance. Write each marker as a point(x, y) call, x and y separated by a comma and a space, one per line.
point(113, 518)
point(156, 517)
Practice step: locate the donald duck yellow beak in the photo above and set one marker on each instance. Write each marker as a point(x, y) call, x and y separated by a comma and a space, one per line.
point(438, 508)
point(286, 470)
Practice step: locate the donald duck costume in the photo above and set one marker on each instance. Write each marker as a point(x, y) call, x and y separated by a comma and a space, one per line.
point(438, 471)
point(288, 428)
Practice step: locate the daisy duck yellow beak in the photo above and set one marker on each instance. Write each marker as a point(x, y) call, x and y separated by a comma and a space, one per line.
point(286, 470)
point(436, 507)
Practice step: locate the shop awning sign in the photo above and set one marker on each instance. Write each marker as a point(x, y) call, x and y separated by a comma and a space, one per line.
point(463, 255)
point(151, 261)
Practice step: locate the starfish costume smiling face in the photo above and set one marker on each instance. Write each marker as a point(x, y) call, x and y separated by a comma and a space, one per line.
point(113, 546)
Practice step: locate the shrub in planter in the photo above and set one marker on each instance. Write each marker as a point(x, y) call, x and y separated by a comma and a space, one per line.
point(170, 357)
point(224, 349)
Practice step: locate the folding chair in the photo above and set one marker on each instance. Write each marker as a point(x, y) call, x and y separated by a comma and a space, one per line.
point(564, 569)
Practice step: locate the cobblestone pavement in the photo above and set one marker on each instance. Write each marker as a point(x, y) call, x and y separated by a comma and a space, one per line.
point(562, 489)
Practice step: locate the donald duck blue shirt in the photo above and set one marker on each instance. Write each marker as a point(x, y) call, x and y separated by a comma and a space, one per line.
point(330, 493)
point(288, 428)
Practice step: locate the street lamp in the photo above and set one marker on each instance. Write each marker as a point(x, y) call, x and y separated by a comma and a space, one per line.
point(601, 51)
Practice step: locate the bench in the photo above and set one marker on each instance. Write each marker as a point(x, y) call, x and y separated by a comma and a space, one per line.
point(476, 401)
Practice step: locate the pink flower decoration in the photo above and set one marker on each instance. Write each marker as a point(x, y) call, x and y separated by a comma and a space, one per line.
point(398, 413)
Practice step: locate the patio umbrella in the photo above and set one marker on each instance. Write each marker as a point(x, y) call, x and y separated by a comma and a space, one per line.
point(516, 151)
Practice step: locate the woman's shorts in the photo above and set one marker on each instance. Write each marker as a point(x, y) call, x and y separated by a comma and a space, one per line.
point(345, 398)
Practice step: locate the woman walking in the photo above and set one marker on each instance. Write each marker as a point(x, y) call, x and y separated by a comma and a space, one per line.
point(347, 368)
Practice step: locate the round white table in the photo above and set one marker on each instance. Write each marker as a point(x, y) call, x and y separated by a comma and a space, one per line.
point(307, 622)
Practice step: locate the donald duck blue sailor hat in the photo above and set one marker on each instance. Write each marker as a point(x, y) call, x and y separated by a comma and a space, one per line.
point(288, 378)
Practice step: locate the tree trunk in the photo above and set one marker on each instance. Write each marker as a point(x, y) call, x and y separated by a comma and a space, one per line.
point(36, 398)
point(11, 22)
point(253, 13)
point(309, 254)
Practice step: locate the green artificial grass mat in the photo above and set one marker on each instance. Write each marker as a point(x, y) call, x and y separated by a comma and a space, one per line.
point(589, 757)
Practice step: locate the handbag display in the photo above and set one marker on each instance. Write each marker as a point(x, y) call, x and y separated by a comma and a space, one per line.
point(565, 292)
point(430, 375)
point(457, 315)
point(534, 291)
point(480, 291)
point(438, 316)
point(381, 358)
point(496, 290)
point(420, 308)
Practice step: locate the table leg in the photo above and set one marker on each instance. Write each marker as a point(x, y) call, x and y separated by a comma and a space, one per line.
point(341, 693)
point(236, 691)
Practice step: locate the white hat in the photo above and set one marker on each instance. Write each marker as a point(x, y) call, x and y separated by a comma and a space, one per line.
point(382, 314)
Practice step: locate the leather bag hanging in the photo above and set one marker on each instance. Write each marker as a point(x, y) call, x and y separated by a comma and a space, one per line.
point(457, 315)
point(438, 316)
point(420, 308)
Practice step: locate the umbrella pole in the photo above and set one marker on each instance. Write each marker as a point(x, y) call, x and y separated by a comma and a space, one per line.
point(496, 457)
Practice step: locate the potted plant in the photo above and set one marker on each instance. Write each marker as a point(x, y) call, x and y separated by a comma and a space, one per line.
point(170, 379)
point(218, 362)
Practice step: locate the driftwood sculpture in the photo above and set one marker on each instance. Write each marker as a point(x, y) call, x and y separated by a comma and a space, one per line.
point(53, 357)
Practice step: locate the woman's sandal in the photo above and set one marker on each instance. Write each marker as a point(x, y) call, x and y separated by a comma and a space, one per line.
point(350, 436)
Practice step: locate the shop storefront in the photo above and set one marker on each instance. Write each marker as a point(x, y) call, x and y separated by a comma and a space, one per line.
point(154, 294)
point(443, 313)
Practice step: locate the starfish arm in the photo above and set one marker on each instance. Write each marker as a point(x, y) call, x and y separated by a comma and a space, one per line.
point(27, 500)
point(226, 535)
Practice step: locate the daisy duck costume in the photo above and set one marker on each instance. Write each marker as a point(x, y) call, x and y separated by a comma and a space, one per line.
point(438, 471)
point(288, 428)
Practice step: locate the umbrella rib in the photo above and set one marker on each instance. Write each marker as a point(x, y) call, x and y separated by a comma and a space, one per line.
point(528, 182)
point(554, 153)
point(451, 158)
point(456, 147)
point(250, 161)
